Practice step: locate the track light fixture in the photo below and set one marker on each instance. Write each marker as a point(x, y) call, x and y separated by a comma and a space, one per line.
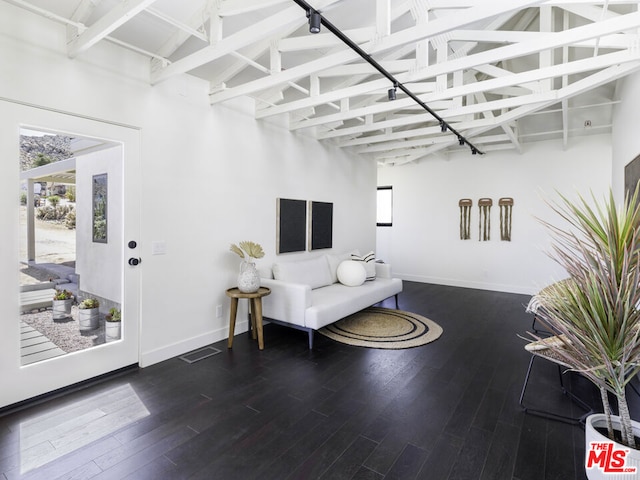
point(316, 20)
point(392, 92)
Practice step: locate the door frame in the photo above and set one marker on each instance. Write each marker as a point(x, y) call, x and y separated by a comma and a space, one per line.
point(21, 383)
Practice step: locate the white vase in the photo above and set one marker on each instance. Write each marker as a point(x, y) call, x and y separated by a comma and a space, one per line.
point(626, 457)
point(88, 318)
point(248, 279)
point(112, 331)
point(62, 309)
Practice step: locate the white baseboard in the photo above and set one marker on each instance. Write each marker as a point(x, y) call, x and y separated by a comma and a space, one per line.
point(451, 282)
point(180, 348)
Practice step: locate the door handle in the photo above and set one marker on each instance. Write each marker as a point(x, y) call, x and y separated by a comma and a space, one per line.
point(134, 261)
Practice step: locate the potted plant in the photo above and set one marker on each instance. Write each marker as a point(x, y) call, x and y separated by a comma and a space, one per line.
point(248, 278)
point(62, 301)
point(596, 310)
point(88, 314)
point(112, 325)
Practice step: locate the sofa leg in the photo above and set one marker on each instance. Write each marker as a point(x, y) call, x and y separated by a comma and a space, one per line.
point(310, 339)
point(397, 308)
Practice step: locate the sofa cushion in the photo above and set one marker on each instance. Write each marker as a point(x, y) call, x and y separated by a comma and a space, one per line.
point(314, 272)
point(368, 261)
point(335, 259)
point(336, 301)
point(351, 274)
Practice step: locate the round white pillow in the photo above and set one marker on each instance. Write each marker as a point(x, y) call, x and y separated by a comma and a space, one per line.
point(351, 274)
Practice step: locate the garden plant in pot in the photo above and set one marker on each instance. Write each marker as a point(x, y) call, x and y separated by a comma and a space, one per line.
point(88, 314)
point(112, 325)
point(248, 278)
point(596, 311)
point(62, 302)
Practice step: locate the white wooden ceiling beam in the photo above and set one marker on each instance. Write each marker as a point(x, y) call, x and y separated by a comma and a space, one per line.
point(253, 52)
point(599, 78)
point(193, 32)
point(116, 17)
point(409, 35)
point(590, 12)
point(548, 98)
point(383, 18)
point(510, 134)
point(260, 30)
point(553, 40)
point(393, 66)
point(324, 40)
point(568, 68)
point(505, 37)
point(238, 7)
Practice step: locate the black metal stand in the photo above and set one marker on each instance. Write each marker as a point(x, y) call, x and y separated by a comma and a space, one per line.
point(551, 415)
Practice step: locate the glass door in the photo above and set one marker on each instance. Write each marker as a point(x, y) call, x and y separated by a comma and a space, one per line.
point(71, 312)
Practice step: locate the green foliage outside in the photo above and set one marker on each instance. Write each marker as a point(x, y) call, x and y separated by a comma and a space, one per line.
point(41, 159)
point(71, 193)
point(54, 200)
point(89, 303)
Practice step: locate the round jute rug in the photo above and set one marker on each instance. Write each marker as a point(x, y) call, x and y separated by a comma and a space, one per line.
point(377, 327)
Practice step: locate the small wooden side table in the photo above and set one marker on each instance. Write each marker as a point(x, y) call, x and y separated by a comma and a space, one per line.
point(255, 303)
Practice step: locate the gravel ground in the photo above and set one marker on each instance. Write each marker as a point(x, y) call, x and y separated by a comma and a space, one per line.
point(65, 334)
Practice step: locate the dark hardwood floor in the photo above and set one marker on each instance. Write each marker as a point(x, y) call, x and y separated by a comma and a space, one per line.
point(447, 410)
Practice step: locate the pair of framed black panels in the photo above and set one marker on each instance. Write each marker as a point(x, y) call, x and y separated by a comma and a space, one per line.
point(293, 229)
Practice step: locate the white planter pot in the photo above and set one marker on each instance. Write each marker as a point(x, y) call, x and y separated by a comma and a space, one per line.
point(625, 456)
point(88, 318)
point(62, 309)
point(112, 331)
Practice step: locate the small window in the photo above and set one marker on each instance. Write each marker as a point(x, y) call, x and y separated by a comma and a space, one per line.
point(384, 216)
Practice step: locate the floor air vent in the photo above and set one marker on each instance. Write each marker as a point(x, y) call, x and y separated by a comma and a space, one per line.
point(201, 354)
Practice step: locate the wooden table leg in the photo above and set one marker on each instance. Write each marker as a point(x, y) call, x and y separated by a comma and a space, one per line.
point(232, 321)
point(257, 313)
point(252, 318)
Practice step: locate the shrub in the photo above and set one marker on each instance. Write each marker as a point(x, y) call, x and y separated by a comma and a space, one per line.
point(71, 194)
point(23, 198)
point(70, 220)
point(54, 200)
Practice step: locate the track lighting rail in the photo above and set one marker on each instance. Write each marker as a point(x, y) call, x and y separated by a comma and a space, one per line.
point(316, 19)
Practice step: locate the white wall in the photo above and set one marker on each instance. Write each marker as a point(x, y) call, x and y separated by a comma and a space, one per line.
point(99, 264)
point(424, 245)
point(626, 137)
point(210, 175)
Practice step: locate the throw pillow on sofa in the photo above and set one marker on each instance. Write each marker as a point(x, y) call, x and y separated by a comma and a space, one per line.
point(314, 272)
point(368, 261)
point(351, 274)
point(335, 259)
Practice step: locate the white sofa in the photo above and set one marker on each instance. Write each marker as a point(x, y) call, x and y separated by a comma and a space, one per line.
point(308, 296)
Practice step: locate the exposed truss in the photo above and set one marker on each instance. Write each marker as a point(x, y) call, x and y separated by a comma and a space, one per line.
point(501, 72)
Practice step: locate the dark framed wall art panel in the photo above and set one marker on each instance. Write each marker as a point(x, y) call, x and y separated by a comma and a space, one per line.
point(321, 225)
point(291, 228)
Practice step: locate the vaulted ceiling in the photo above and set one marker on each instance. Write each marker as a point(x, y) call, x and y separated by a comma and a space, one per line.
point(499, 72)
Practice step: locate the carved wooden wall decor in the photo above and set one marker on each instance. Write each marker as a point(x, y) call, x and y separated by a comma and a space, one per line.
point(484, 223)
point(506, 205)
point(465, 205)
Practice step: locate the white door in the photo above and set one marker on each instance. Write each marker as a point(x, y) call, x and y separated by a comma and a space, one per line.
point(21, 380)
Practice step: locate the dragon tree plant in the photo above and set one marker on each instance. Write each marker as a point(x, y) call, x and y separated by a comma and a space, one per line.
point(597, 307)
